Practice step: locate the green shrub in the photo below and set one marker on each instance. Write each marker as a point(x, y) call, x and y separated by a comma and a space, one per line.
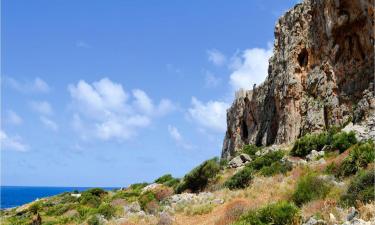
point(198, 178)
point(359, 157)
point(59, 209)
point(84, 212)
point(310, 187)
point(266, 160)
point(94, 220)
point(223, 163)
point(129, 195)
point(240, 179)
point(250, 149)
point(96, 192)
point(163, 179)
point(167, 180)
point(280, 213)
point(276, 168)
point(138, 186)
point(89, 199)
point(361, 188)
point(343, 140)
point(106, 210)
point(146, 198)
point(304, 145)
point(35, 207)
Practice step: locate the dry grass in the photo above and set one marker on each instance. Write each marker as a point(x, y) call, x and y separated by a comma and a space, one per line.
point(367, 211)
point(233, 211)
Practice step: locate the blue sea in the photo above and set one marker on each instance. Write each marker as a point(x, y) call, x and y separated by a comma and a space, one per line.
point(12, 196)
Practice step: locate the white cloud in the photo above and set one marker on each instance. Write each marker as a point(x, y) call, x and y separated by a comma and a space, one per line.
point(35, 86)
point(175, 134)
point(104, 110)
point(177, 137)
point(50, 124)
point(211, 80)
point(12, 143)
point(250, 68)
point(42, 107)
point(216, 57)
point(210, 115)
point(13, 118)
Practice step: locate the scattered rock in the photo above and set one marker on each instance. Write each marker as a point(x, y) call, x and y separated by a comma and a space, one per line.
point(351, 214)
point(239, 161)
point(165, 219)
point(133, 207)
point(357, 221)
point(151, 187)
point(313, 221)
point(314, 155)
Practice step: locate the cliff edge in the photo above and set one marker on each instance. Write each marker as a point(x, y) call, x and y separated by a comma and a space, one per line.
point(321, 74)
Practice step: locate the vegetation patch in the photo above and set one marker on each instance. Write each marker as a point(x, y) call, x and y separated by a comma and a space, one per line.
point(361, 188)
point(197, 179)
point(240, 179)
point(280, 213)
point(310, 187)
point(359, 157)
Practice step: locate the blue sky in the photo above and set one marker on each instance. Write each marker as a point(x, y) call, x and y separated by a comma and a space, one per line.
point(108, 93)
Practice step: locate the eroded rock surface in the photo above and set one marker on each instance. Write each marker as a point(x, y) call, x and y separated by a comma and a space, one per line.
point(321, 74)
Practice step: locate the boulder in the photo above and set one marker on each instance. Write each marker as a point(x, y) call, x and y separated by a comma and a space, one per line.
point(239, 161)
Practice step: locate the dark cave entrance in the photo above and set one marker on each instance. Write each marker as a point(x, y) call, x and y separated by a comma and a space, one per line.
point(245, 132)
point(303, 58)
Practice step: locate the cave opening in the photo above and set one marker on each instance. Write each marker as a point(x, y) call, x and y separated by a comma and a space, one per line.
point(245, 132)
point(303, 58)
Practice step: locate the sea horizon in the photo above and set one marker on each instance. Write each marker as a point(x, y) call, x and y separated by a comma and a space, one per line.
point(13, 196)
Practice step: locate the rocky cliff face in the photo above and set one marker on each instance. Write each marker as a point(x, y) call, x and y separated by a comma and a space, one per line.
point(321, 74)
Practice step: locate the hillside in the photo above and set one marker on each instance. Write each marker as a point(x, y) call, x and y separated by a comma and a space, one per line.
point(299, 148)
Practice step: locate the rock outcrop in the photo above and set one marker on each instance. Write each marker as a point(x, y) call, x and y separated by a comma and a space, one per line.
point(321, 74)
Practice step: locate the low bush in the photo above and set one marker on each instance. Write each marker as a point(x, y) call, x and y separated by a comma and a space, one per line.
point(241, 179)
point(280, 213)
point(94, 220)
point(167, 180)
point(96, 192)
point(145, 198)
point(89, 199)
point(266, 160)
point(138, 186)
point(310, 187)
point(35, 207)
point(304, 145)
point(361, 188)
point(198, 178)
point(58, 209)
point(250, 149)
point(276, 168)
point(106, 210)
point(343, 140)
point(129, 195)
point(359, 157)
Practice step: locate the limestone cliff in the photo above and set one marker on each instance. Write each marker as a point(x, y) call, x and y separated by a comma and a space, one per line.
point(321, 74)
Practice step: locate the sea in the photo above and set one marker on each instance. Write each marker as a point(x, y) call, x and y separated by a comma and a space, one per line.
point(12, 196)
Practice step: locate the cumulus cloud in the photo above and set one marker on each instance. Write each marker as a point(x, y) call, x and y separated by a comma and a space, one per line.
point(177, 137)
point(50, 124)
point(42, 107)
point(12, 143)
point(35, 86)
point(249, 68)
point(106, 111)
point(216, 57)
point(210, 115)
point(13, 118)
